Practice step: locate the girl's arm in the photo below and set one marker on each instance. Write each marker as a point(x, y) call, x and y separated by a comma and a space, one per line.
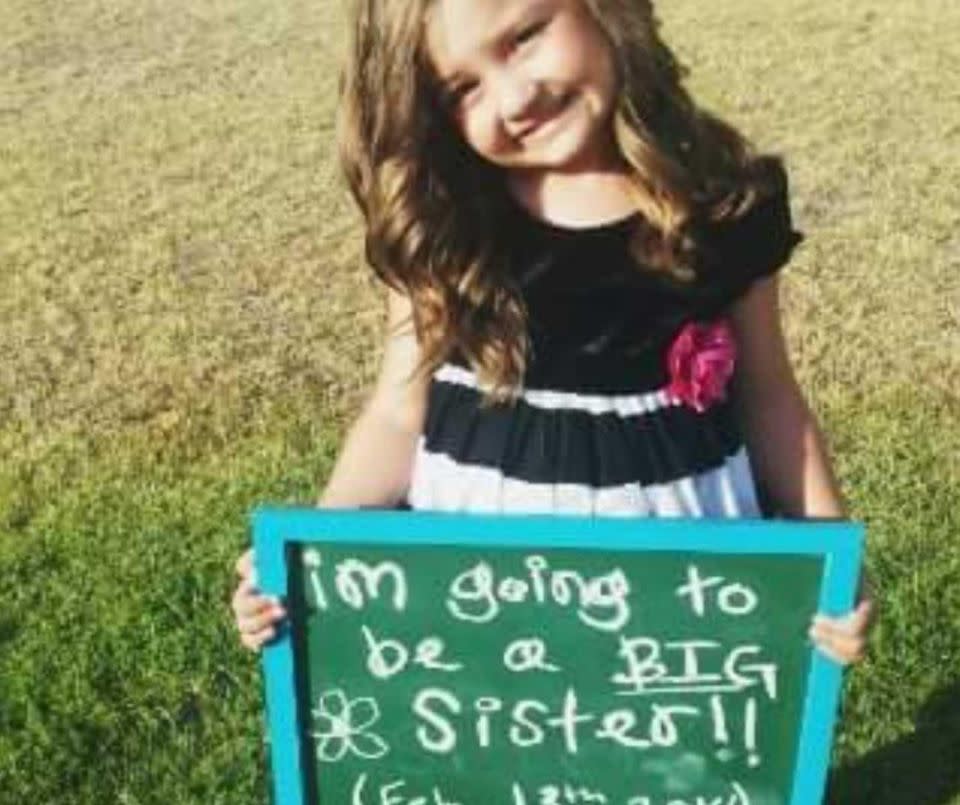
point(374, 465)
point(787, 449)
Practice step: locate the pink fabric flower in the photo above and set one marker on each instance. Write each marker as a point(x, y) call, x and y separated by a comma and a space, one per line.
point(700, 362)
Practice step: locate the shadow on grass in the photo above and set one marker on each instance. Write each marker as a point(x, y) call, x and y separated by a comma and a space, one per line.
point(9, 630)
point(922, 768)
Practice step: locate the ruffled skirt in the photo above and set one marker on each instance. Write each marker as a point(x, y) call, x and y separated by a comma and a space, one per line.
point(564, 452)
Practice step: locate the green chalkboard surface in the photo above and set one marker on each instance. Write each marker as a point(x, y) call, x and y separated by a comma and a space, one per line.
point(564, 666)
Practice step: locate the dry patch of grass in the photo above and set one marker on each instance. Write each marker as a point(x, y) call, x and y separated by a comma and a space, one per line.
point(176, 243)
point(174, 238)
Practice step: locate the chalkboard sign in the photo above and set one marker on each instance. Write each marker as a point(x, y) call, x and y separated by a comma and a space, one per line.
point(471, 660)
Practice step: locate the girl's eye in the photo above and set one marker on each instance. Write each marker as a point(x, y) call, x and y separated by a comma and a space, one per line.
point(528, 33)
point(456, 94)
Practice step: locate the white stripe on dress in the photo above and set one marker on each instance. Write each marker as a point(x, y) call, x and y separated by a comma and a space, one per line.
point(441, 484)
point(549, 400)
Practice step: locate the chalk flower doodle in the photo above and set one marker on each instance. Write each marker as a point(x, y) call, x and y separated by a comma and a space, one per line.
point(342, 726)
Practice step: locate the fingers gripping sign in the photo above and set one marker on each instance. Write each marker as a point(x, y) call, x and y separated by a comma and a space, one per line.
point(844, 639)
point(257, 616)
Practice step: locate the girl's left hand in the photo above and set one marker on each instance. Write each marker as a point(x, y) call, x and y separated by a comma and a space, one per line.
point(844, 639)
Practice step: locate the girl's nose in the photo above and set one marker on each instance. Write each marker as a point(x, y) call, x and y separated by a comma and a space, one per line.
point(517, 95)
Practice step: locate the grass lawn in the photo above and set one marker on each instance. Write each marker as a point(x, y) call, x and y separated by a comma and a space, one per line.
point(187, 327)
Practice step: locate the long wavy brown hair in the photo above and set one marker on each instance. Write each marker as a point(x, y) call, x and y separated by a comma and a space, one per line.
point(434, 209)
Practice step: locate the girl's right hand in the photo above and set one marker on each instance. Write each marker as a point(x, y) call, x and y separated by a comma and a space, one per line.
point(257, 615)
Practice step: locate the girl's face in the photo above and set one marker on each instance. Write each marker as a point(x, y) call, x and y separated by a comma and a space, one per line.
point(530, 84)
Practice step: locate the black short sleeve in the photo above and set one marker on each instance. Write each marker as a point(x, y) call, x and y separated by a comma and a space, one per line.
point(757, 244)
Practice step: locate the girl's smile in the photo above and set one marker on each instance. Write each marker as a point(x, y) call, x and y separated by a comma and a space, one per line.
point(529, 84)
point(538, 129)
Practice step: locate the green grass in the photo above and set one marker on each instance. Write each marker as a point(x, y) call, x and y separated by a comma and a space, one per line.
point(187, 326)
point(901, 728)
point(120, 679)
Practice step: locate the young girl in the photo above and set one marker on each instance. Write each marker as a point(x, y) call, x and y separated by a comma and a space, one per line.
point(581, 268)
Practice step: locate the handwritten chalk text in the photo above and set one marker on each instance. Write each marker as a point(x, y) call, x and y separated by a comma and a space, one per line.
point(601, 602)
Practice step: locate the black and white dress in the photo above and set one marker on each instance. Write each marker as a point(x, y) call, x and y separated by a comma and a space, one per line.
point(595, 431)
